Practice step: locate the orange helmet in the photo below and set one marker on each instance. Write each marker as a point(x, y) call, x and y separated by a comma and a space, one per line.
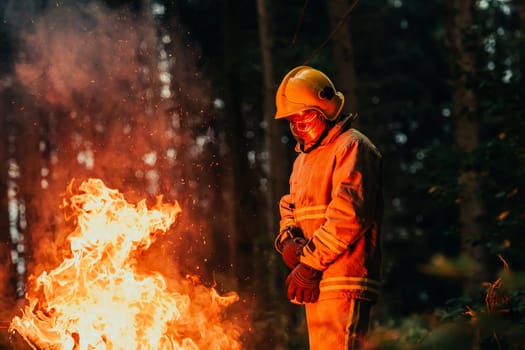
point(306, 88)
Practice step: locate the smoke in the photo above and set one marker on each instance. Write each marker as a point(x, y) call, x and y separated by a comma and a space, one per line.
point(80, 72)
point(92, 107)
point(86, 56)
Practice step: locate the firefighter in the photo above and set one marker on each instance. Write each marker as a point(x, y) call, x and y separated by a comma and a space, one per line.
point(330, 224)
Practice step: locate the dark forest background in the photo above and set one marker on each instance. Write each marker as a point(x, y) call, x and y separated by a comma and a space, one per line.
point(176, 98)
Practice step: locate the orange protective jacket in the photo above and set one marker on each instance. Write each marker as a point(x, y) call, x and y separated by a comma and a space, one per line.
point(336, 199)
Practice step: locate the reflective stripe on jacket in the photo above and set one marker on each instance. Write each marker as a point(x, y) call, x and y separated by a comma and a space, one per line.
point(336, 199)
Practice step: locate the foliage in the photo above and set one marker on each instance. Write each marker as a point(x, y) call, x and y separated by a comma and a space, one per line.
point(494, 321)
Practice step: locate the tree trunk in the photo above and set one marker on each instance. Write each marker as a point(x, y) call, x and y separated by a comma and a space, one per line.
point(277, 170)
point(343, 53)
point(466, 127)
point(8, 280)
point(23, 178)
point(235, 157)
point(271, 135)
point(277, 185)
point(520, 10)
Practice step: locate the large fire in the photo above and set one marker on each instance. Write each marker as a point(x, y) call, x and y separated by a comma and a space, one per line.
point(98, 299)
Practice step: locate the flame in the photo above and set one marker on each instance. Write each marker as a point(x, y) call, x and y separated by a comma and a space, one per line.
point(97, 299)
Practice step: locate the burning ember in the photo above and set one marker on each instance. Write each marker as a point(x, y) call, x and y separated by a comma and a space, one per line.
point(97, 299)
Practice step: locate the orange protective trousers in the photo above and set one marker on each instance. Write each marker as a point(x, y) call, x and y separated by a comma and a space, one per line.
point(338, 323)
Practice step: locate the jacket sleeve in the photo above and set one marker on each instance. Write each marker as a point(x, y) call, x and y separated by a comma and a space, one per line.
point(352, 209)
point(286, 208)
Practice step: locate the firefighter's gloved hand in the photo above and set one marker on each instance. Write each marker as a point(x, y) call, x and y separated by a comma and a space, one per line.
point(291, 250)
point(303, 284)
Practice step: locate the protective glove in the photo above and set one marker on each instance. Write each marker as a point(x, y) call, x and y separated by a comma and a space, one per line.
point(303, 284)
point(291, 250)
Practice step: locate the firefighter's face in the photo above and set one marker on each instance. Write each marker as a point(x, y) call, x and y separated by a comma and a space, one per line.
point(307, 126)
